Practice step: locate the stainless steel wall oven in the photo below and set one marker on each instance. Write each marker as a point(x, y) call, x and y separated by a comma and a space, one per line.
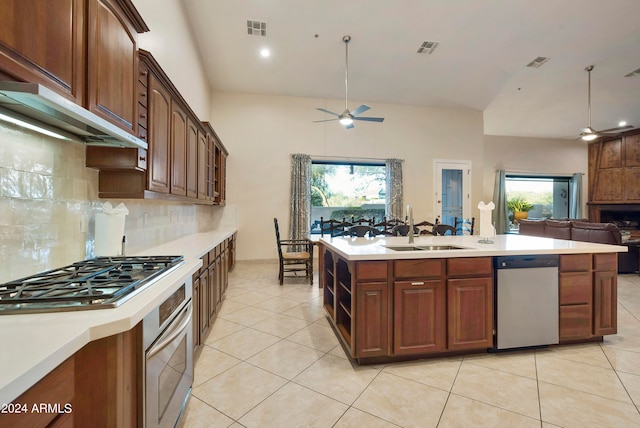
point(168, 358)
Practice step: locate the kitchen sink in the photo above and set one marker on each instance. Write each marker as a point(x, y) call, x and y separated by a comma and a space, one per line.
point(423, 247)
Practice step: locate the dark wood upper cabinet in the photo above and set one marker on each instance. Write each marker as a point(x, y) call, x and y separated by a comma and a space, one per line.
point(203, 165)
point(87, 50)
point(112, 71)
point(192, 158)
point(159, 130)
point(83, 49)
point(178, 150)
point(42, 41)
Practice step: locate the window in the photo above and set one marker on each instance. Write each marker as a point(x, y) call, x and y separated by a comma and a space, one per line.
point(549, 195)
point(345, 189)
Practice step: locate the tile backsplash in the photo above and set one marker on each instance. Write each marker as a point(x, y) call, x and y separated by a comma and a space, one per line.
point(48, 202)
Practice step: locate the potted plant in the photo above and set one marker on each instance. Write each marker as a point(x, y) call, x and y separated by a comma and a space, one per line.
point(519, 207)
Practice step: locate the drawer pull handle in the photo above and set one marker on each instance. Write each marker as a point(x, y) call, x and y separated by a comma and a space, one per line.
point(142, 158)
point(143, 116)
point(418, 283)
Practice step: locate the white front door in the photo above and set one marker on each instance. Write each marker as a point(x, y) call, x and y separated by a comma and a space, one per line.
point(452, 189)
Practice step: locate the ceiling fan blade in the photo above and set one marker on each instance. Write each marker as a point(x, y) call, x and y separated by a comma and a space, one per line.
point(327, 111)
point(360, 109)
point(326, 120)
point(616, 129)
point(370, 119)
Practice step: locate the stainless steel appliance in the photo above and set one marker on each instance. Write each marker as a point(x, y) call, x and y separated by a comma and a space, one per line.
point(35, 101)
point(168, 358)
point(103, 282)
point(527, 307)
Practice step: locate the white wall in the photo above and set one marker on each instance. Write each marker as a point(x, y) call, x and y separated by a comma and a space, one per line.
point(171, 42)
point(530, 155)
point(261, 132)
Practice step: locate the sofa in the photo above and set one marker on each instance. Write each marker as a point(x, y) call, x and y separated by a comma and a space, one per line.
point(582, 230)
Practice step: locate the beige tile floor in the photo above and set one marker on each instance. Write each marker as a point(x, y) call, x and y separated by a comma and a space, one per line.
point(272, 360)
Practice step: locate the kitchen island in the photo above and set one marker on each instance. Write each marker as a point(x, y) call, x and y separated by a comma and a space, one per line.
point(391, 300)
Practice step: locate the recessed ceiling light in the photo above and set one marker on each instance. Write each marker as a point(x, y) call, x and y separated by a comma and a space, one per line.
point(265, 53)
point(622, 123)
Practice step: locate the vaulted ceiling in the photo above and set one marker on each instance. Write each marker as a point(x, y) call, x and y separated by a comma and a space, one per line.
point(480, 61)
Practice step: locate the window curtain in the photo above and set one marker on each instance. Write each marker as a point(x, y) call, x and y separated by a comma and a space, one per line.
point(393, 204)
point(575, 204)
point(500, 213)
point(300, 197)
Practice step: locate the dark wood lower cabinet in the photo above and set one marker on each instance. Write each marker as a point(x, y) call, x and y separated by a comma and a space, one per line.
point(371, 337)
point(99, 386)
point(470, 313)
point(419, 316)
point(606, 301)
point(210, 284)
point(588, 296)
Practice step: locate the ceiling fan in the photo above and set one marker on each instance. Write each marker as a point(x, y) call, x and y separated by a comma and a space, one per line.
point(590, 134)
point(347, 117)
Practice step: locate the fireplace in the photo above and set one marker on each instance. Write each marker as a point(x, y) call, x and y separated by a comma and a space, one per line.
point(625, 216)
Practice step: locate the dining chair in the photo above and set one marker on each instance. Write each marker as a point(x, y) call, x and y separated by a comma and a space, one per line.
point(388, 225)
point(362, 230)
point(425, 227)
point(443, 229)
point(298, 260)
point(464, 226)
point(333, 227)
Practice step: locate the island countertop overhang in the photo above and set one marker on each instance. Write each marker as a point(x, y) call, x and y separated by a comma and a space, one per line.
point(354, 249)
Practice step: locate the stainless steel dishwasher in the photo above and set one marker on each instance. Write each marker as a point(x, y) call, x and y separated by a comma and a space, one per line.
point(527, 301)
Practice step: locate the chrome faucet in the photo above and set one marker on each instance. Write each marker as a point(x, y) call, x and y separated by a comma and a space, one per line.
point(410, 218)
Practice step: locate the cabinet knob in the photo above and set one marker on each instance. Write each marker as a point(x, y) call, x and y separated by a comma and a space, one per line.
point(144, 73)
point(143, 116)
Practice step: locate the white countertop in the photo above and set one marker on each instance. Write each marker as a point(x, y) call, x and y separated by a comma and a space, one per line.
point(34, 344)
point(503, 245)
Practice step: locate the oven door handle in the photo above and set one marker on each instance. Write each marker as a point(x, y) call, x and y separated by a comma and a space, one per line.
point(172, 335)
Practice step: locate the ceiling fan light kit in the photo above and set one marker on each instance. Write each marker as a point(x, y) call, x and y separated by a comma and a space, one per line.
point(347, 117)
point(588, 133)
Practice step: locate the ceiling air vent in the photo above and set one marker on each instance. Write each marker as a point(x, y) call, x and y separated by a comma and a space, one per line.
point(428, 47)
point(256, 28)
point(538, 62)
point(633, 73)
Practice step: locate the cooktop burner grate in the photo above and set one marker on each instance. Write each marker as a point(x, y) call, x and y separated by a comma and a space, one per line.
point(90, 284)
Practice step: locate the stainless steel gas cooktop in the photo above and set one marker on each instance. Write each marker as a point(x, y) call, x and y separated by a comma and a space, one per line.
point(103, 282)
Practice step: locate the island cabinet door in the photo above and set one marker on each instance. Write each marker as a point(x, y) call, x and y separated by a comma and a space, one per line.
point(470, 313)
point(372, 320)
point(605, 303)
point(419, 315)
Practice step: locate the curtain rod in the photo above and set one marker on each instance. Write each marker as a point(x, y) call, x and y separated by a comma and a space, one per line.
point(347, 159)
point(537, 173)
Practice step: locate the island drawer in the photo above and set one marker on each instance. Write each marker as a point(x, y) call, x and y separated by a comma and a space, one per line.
point(575, 288)
point(605, 262)
point(575, 263)
point(420, 268)
point(475, 266)
point(371, 270)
